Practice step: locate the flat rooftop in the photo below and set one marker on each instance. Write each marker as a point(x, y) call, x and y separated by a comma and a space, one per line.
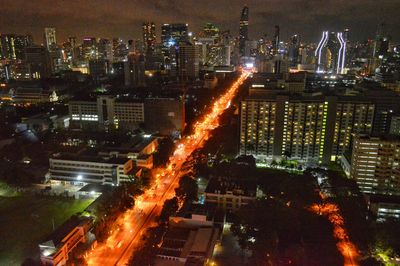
point(222, 185)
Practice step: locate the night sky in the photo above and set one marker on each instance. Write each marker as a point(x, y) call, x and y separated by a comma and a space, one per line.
point(123, 18)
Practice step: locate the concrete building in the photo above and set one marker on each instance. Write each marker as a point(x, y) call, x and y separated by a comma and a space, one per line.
point(107, 110)
point(59, 244)
point(134, 70)
point(162, 115)
point(311, 129)
point(187, 243)
point(188, 62)
point(293, 83)
point(384, 207)
point(88, 167)
point(395, 125)
point(375, 164)
point(230, 195)
point(43, 122)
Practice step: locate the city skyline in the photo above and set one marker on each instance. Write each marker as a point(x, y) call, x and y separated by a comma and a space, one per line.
point(124, 19)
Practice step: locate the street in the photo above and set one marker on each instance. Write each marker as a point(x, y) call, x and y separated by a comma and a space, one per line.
point(121, 244)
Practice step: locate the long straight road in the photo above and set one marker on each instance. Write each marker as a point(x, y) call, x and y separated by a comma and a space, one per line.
point(132, 224)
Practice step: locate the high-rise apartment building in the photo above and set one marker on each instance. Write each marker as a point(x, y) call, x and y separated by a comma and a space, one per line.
point(375, 165)
point(306, 128)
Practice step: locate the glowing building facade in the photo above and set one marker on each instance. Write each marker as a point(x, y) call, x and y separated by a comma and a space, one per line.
point(149, 37)
point(331, 53)
point(375, 165)
point(315, 129)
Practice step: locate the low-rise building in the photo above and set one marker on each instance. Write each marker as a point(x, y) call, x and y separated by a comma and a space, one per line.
point(59, 244)
point(187, 246)
point(85, 168)
point(228, 194)
point(384, 207)
point(161, 115)
point(43, 122)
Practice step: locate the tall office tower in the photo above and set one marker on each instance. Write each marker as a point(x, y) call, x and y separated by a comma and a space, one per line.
point(50, 40)
point(72, 41)
point(381, 44)
point(171, 36)
point(38, 62)
point(7, 45)
point(346, 35)
point(89, 48)
point(262, 46)
point(294, 46)
point(149, 37)
point(375, 165)
point(104, 48)
point(331, 53)
point(134, 69)
point(276, 40)
point(211, 31)
point(73, 50)
point(243, 30)
point(20, 43)
point(188, 62)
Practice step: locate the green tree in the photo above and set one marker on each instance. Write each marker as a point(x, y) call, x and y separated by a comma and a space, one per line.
point(188, 189)
point(170, 207)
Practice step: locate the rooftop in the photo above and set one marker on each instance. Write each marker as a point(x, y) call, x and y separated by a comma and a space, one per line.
point(63, 230)
point(89, 158)
point(222, 185)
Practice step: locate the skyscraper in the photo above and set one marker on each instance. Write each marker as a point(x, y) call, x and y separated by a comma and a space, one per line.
point(50, 38)
point(294, 46)
point(7, 45)
point(149, 37)
point(211, 31)
point(381, 45)
point(171, 36)
point(243, 30)
point(275, 41)
point(331, 53)
point(188, 61)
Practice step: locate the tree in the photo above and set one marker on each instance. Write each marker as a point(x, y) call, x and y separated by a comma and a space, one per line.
point(188, 189)
point(170, 207)
point(165, 149)
point(247, 159)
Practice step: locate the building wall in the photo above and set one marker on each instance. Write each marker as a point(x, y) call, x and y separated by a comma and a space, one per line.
point(308, 129)
point(88, 172)
point(257, 127)
point(376, 165)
